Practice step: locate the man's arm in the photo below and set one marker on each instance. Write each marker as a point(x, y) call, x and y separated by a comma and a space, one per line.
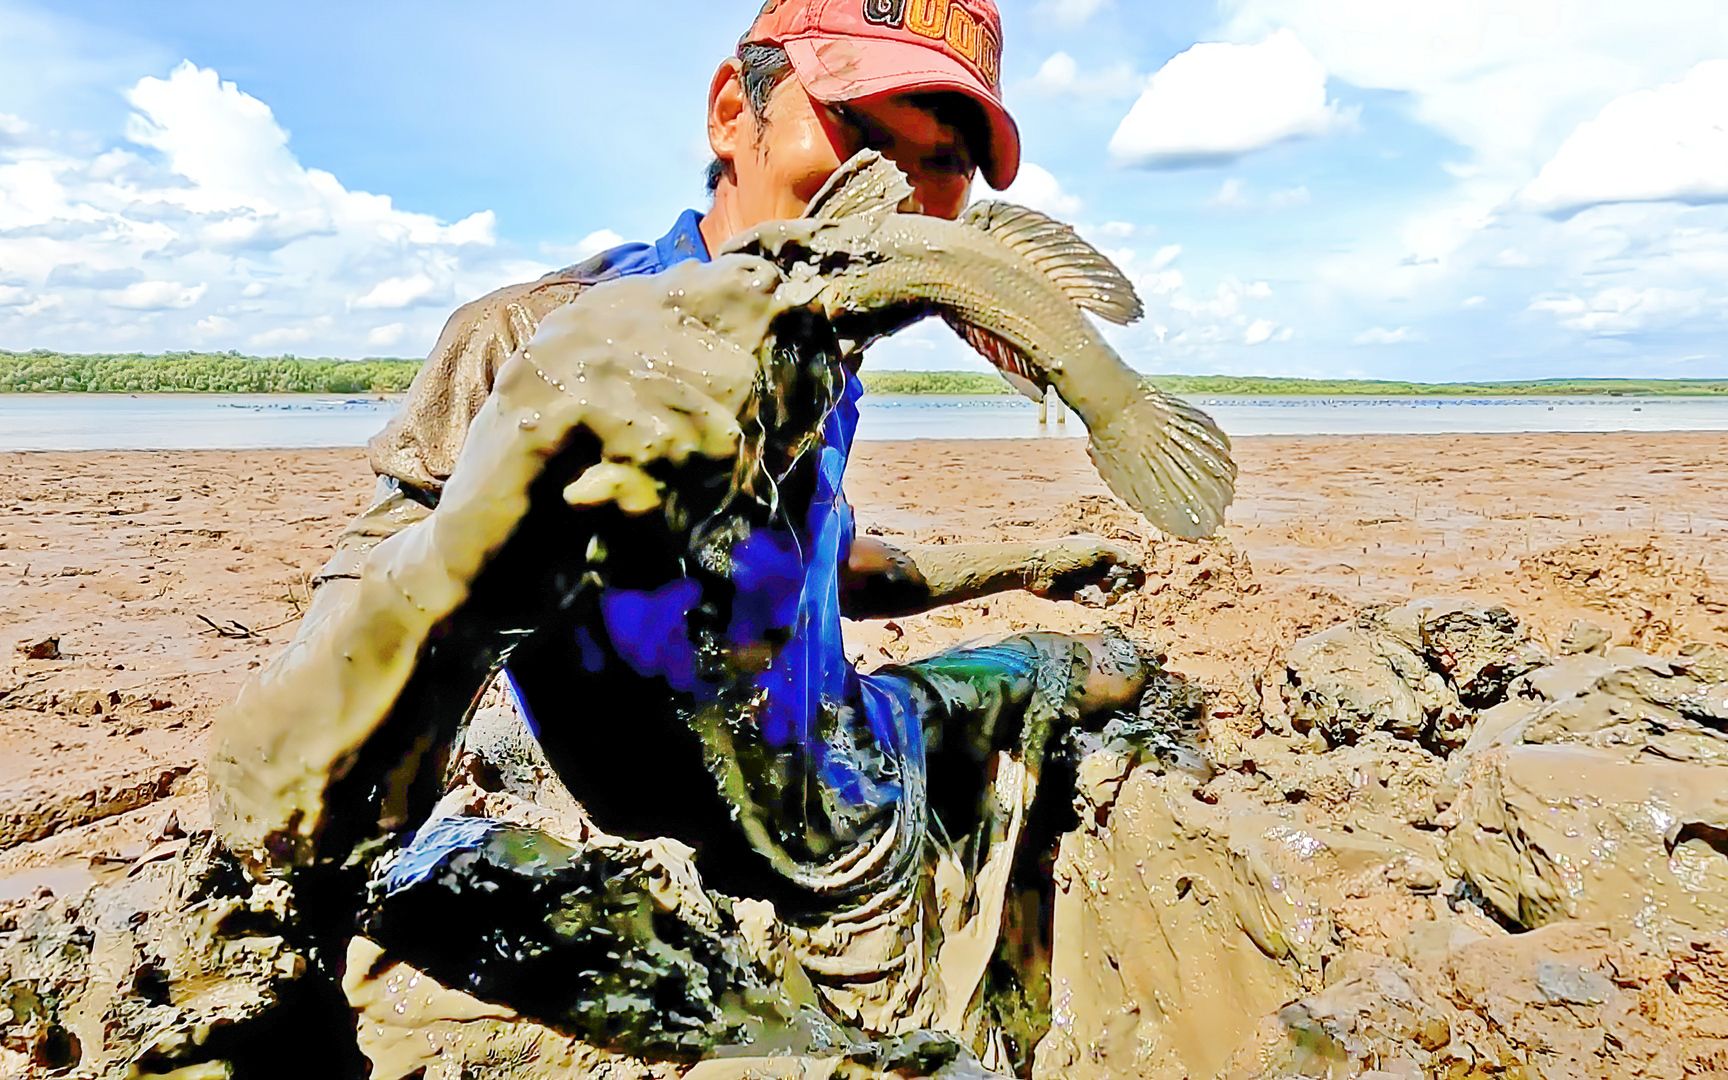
point(308, 716)
point(881, 581)
point(336, 742)
point(419, 446)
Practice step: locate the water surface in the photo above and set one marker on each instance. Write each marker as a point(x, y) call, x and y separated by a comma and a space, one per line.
point(251, 422)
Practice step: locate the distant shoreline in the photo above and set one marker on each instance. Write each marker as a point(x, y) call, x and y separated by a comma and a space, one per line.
point(231, 373)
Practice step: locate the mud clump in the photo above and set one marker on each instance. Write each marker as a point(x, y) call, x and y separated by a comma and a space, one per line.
point(1417, 672)
point(45, 649)
point(158, 970)
point(1448, 855)
point(1601, 792)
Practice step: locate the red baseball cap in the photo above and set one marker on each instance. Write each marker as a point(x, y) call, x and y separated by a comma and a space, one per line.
point(851, 50)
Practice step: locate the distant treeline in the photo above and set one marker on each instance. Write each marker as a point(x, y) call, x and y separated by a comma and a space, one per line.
point(200, 373)
point(232, 373)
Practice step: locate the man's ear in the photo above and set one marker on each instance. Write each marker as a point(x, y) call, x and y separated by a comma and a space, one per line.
point(726, 112)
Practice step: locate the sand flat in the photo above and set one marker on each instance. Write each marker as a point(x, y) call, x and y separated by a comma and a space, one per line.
point(123, 556)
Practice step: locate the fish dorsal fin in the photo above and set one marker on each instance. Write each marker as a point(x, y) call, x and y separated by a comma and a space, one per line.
point(867, 184)
point(1013, 365)
point(1081, 271)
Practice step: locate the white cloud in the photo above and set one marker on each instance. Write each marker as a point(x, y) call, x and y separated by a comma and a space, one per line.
point(383, 337)
point(228, 145)
point(1474, 301)
point(1118, 230)
point(586, 248)
point(1621, 310)
point(395, 293)
point(1072, 12)
point(1219, 101)
point(277, 338)
point(596, 242)
point(1670, 143)
point(206, 198)
point(1061, 76)
point(1234, 194)
point(13, 296)
point(155, 296)
point(1507, 82)
point(1038, 188)
point(13, 126)
point(1231, 193)
point(1380, 335)
point(1226, 301)
point(1259, 332)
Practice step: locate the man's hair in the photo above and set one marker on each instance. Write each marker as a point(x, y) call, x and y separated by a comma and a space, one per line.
point(763, 68)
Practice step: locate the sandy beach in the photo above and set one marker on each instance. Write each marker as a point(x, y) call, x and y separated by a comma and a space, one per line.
point(165, 577)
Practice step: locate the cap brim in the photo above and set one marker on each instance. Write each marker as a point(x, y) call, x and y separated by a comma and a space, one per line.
point(840, 69)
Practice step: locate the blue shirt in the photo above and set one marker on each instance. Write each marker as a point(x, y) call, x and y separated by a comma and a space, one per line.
point(788, 589)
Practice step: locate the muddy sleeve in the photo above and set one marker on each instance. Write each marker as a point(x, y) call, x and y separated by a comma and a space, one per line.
point(340, 740)
point(418, 448)
point(416, 451)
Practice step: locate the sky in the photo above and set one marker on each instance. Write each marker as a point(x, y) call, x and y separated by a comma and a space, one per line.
point(1479, 189)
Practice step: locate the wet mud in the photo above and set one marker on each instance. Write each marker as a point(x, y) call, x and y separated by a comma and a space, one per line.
point(1537, 893)
point(1448, 853)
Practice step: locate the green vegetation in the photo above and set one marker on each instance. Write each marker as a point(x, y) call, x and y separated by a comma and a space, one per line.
point(200, 373)
point(231, 373)
point(960, 382)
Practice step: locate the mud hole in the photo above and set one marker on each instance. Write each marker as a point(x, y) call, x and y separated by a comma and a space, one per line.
point(1480, 835)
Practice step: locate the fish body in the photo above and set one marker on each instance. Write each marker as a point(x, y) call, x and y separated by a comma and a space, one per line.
point(1016, 285)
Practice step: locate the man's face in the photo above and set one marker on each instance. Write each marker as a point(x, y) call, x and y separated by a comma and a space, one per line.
point(783, 161)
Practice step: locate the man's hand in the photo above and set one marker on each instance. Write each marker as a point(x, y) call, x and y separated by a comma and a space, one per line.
point(886, 582)
point(1090, 570)
point(633, 376)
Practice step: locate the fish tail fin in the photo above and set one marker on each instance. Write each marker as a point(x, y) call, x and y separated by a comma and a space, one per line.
point(1083, 273)
point(1169, 461)
point(1165, 458)
point(867, 184)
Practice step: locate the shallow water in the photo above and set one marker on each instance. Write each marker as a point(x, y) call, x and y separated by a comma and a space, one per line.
point(253, 422)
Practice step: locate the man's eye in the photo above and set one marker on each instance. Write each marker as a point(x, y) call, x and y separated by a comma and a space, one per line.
point(952, 164)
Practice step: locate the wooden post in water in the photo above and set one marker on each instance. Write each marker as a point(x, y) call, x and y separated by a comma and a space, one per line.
point(1044, 408)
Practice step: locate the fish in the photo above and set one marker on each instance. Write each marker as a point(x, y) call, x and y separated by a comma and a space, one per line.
point(1018, 286)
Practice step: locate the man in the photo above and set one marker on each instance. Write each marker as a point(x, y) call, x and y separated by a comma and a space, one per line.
point(836, 795)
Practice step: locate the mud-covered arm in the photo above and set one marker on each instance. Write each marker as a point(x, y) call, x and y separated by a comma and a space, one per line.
point(419, 447)
point(335, 742)
point(883, 581)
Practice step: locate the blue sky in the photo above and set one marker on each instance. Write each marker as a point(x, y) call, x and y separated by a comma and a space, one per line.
point(1381, 188)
